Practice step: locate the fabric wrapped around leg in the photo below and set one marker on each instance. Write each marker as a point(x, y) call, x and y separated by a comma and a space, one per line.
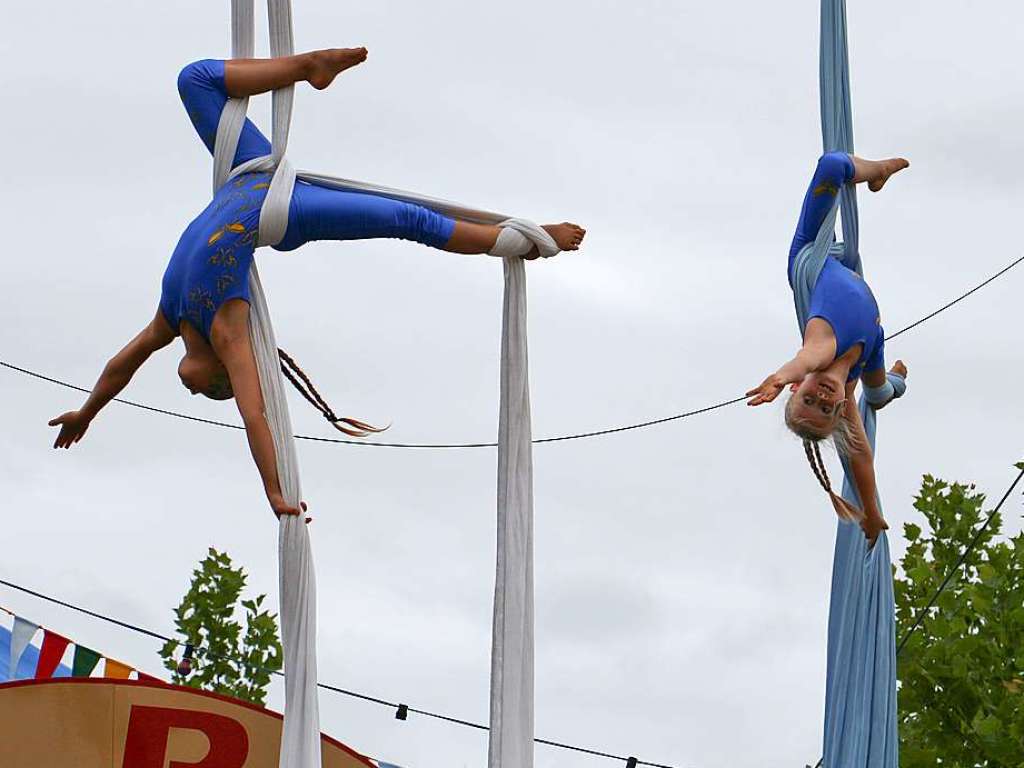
point(895, 386)
point(510, 243)
point(518, 236)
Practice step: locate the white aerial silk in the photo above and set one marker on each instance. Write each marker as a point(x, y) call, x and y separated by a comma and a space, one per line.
point(511, 737)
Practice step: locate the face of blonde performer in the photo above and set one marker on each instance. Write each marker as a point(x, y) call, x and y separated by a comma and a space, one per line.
point(817, 403)
point(202, 373)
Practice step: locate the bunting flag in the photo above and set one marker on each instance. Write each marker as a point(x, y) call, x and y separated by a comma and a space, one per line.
point(85, 661)
point(54, 646)
point(50, 654)
point(115, 670)
point(21, 636)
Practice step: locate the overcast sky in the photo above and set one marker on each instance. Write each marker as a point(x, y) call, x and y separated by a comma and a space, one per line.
point(682, 572)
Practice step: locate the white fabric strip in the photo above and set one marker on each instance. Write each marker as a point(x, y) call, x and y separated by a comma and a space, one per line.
point(229, 128)
point(300, 737)
point(274, 215)
point(510, 243)
point(512, 676)
point(512, 644)
point(21, 635)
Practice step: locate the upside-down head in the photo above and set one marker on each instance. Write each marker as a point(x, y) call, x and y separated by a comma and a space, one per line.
point(202, 372)
point(814, 411)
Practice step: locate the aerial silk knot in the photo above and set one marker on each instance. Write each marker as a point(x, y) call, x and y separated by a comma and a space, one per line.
point(517, 233)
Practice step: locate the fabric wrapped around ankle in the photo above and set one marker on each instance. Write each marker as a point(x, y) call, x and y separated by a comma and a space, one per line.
point(518, 236)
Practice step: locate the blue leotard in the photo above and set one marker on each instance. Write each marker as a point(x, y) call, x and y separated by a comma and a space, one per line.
point(840, 296)
point(210, 264)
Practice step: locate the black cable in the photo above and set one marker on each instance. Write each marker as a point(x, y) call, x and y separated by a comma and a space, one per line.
point(325, 686)
point(372, 444)
point(957, 300)
point(561, 438)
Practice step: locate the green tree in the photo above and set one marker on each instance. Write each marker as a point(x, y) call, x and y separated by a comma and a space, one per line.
point(961, 675)
point(226, 661)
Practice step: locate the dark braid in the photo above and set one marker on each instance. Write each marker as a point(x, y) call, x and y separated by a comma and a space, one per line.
point(813, 452)
point(843, 508)
point(301, 382)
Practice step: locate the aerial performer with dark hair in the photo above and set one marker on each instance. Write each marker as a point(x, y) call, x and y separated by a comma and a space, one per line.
point(205, 291)
point(843, 343)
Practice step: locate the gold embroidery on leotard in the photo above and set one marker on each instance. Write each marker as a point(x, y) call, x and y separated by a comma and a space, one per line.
point(225, 281)
point(224, 257)
point(235, 227)
point(826, 188)
point(233, 204)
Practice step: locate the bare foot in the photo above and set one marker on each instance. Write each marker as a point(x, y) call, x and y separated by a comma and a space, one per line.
point(326, 65)
point(567, 236)
point(877, 172)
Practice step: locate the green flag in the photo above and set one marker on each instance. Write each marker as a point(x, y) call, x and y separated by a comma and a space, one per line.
point(85, 661)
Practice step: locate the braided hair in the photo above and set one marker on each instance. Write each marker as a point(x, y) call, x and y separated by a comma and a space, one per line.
point(843, 438)
point(843, 508)
point(302, 383)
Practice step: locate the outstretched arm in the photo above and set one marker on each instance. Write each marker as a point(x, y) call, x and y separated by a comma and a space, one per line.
point(862, 465)
point(231, 342)
point(810, 358)
point(115, 377)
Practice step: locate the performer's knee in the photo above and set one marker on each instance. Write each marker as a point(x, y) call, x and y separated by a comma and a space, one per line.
point(836, 167)
point(199, 75)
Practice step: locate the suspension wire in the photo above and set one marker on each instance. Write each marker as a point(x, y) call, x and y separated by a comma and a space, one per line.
point(539, 441)
point(957, 300)
point(333, 688)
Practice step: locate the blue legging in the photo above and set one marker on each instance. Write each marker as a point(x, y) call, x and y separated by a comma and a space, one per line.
point(834, 170)
point(316, 213)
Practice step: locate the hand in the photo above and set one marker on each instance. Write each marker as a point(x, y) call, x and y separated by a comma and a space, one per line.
point(73, 425)
point(768, 390)
point(872, 526)
point(282, 507)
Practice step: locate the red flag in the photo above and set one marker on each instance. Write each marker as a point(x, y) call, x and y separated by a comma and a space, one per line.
point(50, 654)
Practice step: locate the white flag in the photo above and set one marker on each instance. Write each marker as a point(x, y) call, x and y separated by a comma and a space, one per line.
point(21, 636)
